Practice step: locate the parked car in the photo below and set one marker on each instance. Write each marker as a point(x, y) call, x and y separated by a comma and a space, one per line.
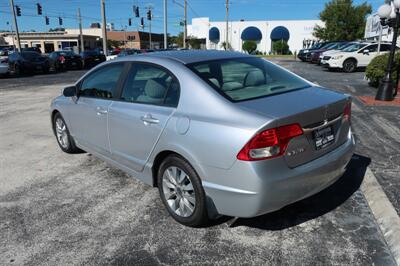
point(4, 69)
point(328, 53)
point(355, 56)
point(32, 49)
point(304, 54)
point(28, 62)
point(113, 54)
point(92, 58)
point(315, 54)
point(127, 52)
point(64, 60)
point(219, 133)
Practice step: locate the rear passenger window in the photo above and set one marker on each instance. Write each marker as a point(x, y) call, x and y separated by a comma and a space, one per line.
point(102, 83)
point(152, 85)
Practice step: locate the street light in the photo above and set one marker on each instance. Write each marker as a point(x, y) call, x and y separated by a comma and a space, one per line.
point(390, 16)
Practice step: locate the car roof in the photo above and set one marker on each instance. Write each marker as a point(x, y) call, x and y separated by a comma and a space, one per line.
point(194, 56)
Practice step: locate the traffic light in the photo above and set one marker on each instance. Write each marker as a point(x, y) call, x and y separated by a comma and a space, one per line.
point(136, 11)
point(60, 21)
point(142, 22)
point(130, 22)
point(47, 20)
point(18, 9)
point(149, 15)
point(39, 9)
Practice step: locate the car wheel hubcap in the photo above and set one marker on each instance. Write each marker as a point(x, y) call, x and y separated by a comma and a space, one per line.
point(178, 191)
point(61, 132)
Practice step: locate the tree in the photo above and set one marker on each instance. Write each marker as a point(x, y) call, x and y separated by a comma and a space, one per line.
point(249, 46)
point(280, 47)
point(223, 45)
point(194, 43)
point(113, 44)
point(343, 21)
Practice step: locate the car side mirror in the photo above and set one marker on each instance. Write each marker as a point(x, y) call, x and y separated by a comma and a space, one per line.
point(366, 52)
point(69, 91)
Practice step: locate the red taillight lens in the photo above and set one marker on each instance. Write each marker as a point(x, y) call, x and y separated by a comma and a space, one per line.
point(61, 58)
point(347, 112)
point(269, 143)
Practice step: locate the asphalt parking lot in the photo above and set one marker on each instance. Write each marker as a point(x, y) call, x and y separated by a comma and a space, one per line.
point(57, 208)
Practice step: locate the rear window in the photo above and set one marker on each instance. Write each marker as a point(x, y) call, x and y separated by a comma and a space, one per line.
point(30, 55)
point(242, 79)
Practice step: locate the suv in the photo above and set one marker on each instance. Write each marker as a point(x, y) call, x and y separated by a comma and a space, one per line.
point(354, 56)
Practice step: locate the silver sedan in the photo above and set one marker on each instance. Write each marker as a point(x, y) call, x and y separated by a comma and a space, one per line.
point(219, 133)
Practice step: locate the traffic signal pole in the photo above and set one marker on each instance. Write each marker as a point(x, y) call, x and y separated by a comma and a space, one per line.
point(15, 25)
point(185, 24)
point(82, 46)
point(104, 29)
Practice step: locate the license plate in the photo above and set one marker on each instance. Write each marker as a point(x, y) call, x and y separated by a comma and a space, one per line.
point(73, 63)
point(323, 137)
point(38, 67)
point(96, 59)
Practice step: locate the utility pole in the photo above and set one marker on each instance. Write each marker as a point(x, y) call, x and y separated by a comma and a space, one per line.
point(184, 23)
point(104, 29)
point(82, 46)
point(227, 30)
point(165, 25)
point(15, 25)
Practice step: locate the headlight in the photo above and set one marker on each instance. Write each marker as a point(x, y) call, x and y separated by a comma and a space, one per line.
point(305, 51)
point(337, 57)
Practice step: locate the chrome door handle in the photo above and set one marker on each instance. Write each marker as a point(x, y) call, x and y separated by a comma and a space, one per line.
point(148, 119)
point(101, 111)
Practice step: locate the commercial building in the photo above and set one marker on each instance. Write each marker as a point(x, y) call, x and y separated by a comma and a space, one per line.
point(59, 40)
point(50, 41)
point(297, 33)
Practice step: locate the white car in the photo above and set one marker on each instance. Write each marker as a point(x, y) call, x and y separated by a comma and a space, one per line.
point(331, 52)
point(4, 70)
point(354, 56)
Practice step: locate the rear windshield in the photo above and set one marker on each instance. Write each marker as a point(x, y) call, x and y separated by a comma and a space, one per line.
point(30, 55)
point(242, 79)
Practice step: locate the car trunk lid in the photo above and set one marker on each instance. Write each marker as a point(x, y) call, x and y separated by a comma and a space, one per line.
point(318, 111)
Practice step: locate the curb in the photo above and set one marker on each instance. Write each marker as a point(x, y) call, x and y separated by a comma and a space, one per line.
point(384, 212)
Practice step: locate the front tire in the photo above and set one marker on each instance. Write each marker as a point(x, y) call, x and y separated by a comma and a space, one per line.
point(349, 66)
point(181, 192)
point(64, 138)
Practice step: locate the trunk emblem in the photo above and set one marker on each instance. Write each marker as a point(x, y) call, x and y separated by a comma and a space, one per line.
point(296, 151)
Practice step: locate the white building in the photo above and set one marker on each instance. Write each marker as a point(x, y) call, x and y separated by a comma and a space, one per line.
point(295, 32)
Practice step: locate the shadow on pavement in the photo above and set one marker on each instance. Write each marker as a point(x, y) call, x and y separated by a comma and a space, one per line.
point(314, 206)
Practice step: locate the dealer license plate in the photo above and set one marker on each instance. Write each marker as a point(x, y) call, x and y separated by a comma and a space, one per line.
point(323, 137)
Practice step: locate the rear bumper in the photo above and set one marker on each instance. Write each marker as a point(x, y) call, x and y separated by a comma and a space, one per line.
point(250, 189)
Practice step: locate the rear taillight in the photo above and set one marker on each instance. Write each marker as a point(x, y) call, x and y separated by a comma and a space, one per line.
point(347, 112)
point(61, 59)
point(269, 143)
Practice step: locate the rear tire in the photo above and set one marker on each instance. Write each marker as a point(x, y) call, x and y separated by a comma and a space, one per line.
point(64, 138)
point(349, 65)
point(184, 197)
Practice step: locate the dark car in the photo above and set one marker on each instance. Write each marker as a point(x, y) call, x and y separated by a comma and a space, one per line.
point(305, 54)
point(32, 49)
point(63, 60)
point(92, 58)
point(28, 62)
point(127, 52)
point(315, 54)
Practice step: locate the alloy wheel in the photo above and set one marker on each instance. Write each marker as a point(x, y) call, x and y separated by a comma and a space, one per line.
point(62, 134)
point(178, 191)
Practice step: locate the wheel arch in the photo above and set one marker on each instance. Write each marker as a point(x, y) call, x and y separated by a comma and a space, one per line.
point(53, 114)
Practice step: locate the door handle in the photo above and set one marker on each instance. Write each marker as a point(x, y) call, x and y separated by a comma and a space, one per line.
point(101, 111)
point(148, 119)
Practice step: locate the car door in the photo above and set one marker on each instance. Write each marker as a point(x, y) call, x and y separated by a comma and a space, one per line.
point(367, 54)
point(89, 114)
point(148, 99)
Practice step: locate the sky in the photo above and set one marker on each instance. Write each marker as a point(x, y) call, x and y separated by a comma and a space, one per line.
point(119, 11)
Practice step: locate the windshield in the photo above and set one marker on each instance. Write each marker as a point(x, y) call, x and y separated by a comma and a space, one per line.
point(242, 79)
point(354, 47)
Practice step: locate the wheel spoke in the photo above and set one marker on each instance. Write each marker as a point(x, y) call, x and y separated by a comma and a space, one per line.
point(188, 187)
point(187, 204)
point(190, 198)
point(168, 183)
